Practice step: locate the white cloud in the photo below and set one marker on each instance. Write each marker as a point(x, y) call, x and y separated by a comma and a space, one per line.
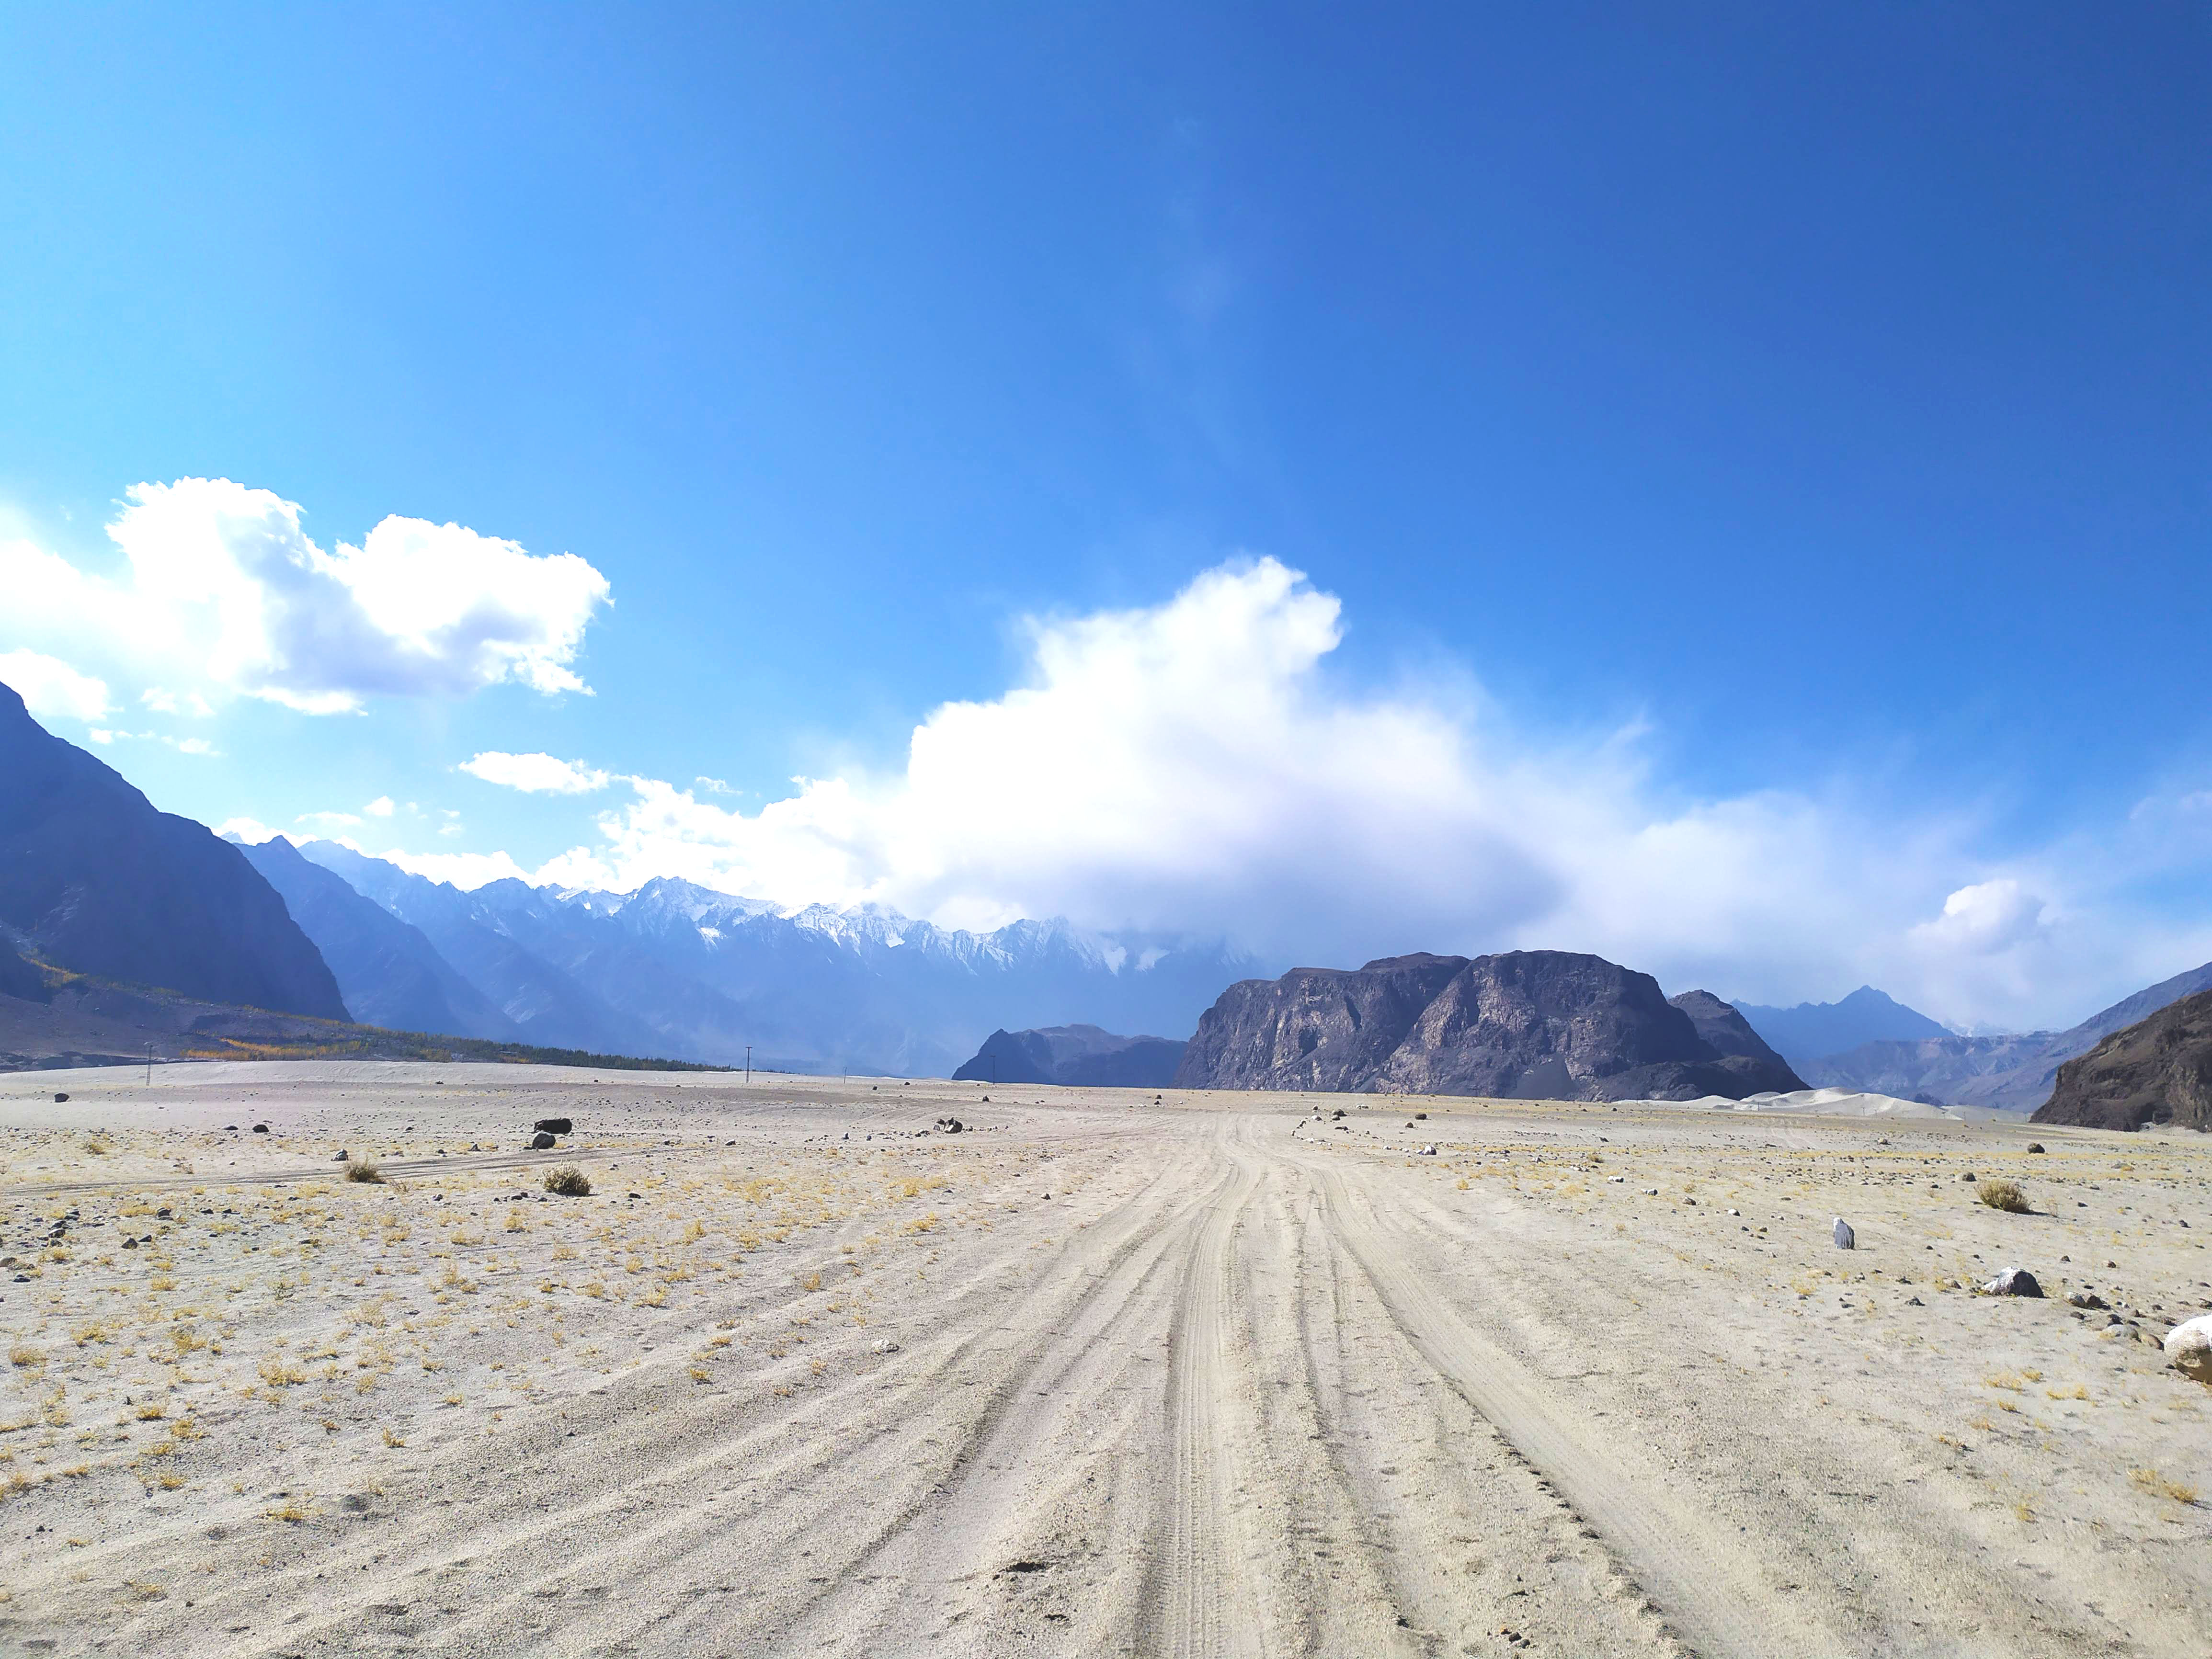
point(192, 745)
point(1192, 768)
point(328, 820)
point(225, 595)
point(466, 871)
point(251, 831)
point(535, 774)
point(379, 808)
point(51, 689)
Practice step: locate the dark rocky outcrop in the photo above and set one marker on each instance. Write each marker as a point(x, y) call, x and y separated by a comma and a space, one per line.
point(1078, 1055)
point(1325, 1028)
point(2156, 1070)
point(1524, 1024)
point(94, 880)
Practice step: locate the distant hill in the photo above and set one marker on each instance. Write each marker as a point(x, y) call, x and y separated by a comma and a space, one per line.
point(2156, 1070)
point(1813, 1029)
point(94, 880)
point(677, 969)
point(1526, 1025)
point(1076, 1055)
point(388, 971)
point(2011, 1074)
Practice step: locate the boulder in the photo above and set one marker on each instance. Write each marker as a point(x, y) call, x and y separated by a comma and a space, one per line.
point(2013, 1281)
point(59, 1097)
point(1846, 1238)
point(2189, 1348)
point(541, 1141)
point(554, 1126)
point(951, 1126)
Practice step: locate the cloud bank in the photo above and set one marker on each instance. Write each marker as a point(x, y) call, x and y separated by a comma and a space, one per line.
point(1193, 767)
point(225, 595)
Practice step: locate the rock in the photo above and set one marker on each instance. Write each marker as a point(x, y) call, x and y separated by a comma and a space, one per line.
point(342, 1158)
point(951, 1126)
point(2156, 1070)
point(2189, 1347)
point(59, 1097)
point(261, 1128)
point(2086, 1299)
point(1846, 1238)
point(130, 1243)
point(2034, 1145)
point(541, 1141)
point(1428, 1152)
point(2013, 1281)
point(554, 1126)
point(1528, 1025)
point(883, 1345)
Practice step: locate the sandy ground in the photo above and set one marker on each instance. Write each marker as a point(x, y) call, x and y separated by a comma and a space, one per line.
point(1097, 1376)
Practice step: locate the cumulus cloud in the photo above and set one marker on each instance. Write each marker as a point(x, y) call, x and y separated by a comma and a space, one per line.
point(537, 774)
point(225, 593)
point(1193, 767)
point(251, 831)
point(51, 689)
point(381, 807)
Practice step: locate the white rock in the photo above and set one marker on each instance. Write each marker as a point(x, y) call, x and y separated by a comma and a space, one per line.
point(2189, 1347)
point(1846, 1238)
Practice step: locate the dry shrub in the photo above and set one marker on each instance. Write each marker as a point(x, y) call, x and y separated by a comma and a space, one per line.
point(2153, 1484)
point(2001, 1195)
point(364, 1169)
point(569, 1182)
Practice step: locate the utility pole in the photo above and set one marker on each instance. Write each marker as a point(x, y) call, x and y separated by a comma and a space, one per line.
point(749, 1066)
point(150, 1065)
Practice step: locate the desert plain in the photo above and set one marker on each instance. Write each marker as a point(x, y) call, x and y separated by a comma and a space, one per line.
point(1103, 1373)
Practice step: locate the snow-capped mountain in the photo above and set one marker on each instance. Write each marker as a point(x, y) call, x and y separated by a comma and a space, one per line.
point(679, 970)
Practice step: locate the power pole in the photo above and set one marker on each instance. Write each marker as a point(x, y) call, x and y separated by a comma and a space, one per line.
point(150, 1065)
point(749, 1066)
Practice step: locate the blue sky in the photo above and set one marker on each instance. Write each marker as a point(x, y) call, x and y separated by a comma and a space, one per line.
point(1747, 468)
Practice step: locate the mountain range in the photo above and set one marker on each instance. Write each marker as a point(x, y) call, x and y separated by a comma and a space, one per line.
point(1078, 1056)
point(679, 970)
point(1524, 1024)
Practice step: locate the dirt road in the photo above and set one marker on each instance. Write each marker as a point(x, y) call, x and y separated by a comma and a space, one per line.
point(1099, 1375)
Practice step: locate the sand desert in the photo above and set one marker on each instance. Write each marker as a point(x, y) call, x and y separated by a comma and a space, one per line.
point(1104, 1372)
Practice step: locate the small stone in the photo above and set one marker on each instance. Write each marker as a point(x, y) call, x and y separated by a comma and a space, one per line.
point(1914, 1302)
point(1846, 1238)
point(883, 1345)
point(261, 1128)
point(342, 1158)
point(130, 1243)
point(2013, 1281)
point(1428, 1152)
point(2034, 1145)
point(59, 1097)
point(2086, 1299)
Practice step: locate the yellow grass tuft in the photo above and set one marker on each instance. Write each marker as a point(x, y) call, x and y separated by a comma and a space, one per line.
point(2001, 1195)
point(364, 1169)
point(567, 1181)
point(2154, 1484)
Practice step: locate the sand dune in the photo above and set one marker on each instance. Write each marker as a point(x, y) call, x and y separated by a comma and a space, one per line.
point(1219, 1373)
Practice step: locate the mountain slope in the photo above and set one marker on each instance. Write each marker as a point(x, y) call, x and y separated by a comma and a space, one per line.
point(94, 880)
point(1524, 1024)
point(387, 970)
point(2156, 1070)
point(1812, 1030)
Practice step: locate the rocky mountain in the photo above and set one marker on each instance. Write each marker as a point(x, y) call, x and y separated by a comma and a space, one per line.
point(680, 969)
point(1077, 1055)
point(1813, 1029)
point(1526, 1025)
point(2010, 1074)
point(2156, 1070)
point(387, 970)
point(94, 880)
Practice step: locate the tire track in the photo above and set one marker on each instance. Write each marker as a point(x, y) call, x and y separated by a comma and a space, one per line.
point(1709, 1592)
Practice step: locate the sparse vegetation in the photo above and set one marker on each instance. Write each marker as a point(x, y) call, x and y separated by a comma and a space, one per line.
point(2154, 1484)
point(567, 1181)
point(2001, 1194)
point(366, 1169)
